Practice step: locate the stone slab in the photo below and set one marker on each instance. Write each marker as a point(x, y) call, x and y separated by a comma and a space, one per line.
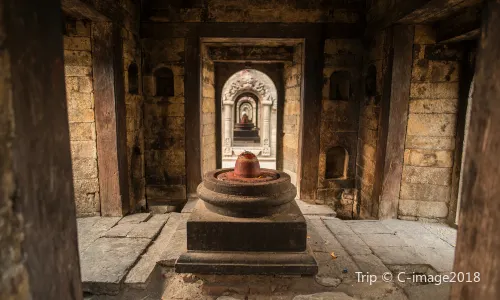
point(209, 231)
point(382, 240)
point(139, 275)
point(324, 296)
point(398, 255)
point(440, 259)
point(106, 262)
point(147, 230)
point(368, 227)
point(369, 263)
point(120, 230)
point(428, 291)
point(135, 218)
point(90, 229)
point(444, 232)
point(315, 209)
point(337, 226)
point(353, 244)
point(246, 263)
point(176, 245)
point(190, 205)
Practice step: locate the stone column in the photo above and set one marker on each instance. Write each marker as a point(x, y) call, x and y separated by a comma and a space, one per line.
point(228, 125)
point(266, 128)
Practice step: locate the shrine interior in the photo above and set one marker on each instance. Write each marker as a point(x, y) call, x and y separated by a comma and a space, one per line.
point(381, 112)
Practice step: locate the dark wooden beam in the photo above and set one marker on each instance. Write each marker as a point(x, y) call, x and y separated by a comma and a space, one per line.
point(192, 114)
point(109, 103)
point(94, 10)
point(400, 9)
point(310, 104)
point(393, 120)
point(466, 75)
point(478, 242)
point(249, 30)
point(436, 10)
point(39, 179)
point(463, 26)
point(250, 53)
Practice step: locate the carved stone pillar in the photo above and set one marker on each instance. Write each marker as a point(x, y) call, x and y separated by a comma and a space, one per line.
point(266, 128)
point(228, 126)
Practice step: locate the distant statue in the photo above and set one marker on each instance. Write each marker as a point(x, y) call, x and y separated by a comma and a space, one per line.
point(244, 119)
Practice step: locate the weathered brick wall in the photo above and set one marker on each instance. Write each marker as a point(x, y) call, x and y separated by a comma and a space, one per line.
point(208, 147)
point(14, 278)
point(430, 137)
point(291, 114)
point(79, 94)
point(368, 125)
point(339, 123)
point(134, 102)
point(165, 169)
point(257, 11)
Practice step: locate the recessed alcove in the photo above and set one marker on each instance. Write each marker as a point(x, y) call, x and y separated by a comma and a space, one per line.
point(164, 82)
point(340, 86)
point(371, 84)
point(133, 79)
point(336, 163)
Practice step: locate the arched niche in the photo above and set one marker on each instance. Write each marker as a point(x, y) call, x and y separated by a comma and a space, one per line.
point(258, 84)
point(371, 83)
point(245, 101)
point(164, 78)
point(340, 85)
point(133, 79)
point(336, 163)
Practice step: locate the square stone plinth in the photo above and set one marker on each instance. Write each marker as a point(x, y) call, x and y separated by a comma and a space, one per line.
point(220, 244)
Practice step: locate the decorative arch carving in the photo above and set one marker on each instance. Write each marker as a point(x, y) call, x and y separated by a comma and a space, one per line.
point(259, 84)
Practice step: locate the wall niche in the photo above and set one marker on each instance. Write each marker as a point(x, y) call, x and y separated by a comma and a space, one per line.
point(133, 79)
point(340, 86)
point(164, 78)
point(371, 84)
point(336, 163)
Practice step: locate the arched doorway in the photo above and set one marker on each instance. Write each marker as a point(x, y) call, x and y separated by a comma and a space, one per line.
point(249, 112)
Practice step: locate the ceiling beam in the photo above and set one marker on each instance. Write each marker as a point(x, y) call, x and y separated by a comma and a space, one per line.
point(460, 27)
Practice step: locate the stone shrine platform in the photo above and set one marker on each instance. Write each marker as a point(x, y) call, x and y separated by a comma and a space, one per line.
point(133, 258)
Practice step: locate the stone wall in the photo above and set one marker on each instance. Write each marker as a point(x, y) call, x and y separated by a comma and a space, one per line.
point(208, 122)
point(256, 11)
point(375, 59)
point(134, 102)
point(79, 94)
point(339, 124)
point(430, 138)
point(291, 114)
point(165, 168)
point(14, 278)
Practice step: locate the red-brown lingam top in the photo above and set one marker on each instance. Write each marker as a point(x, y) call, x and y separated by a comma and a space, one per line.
point(247, 169)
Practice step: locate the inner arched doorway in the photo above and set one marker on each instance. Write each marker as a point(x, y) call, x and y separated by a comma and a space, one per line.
point(249, 117)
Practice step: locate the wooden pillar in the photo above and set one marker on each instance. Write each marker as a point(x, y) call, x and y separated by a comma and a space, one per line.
point(38, 182)
point(393, 121)
point(479, 226)
point(192, 108)
point(312, 84)
point(109, 103)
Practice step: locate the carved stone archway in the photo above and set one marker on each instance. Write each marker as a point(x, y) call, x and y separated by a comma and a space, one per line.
point(259, 84)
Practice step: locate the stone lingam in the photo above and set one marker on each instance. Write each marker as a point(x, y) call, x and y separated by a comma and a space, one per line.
point(247, 223)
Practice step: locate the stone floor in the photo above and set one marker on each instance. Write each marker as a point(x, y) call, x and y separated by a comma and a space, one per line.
point(132, 258)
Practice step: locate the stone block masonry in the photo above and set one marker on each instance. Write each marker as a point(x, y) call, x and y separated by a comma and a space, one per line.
point(339, 123)
point(208, 122)
point(164, 130)
point(430, 137)
point(79, 94)
point(291, 114)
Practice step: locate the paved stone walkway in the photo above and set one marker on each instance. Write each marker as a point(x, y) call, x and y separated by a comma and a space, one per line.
point(132, 258)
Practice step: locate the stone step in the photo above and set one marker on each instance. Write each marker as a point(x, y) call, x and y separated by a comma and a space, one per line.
point(315, 209)
point(140, 275)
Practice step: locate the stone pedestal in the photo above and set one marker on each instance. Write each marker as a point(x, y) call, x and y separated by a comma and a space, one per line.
point(269, 245)
point(247, 223)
